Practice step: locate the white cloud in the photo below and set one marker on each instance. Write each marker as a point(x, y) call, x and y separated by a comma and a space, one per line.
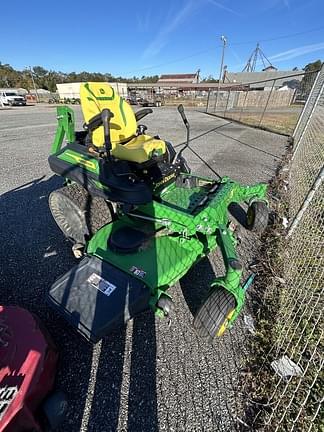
point(161, 39)
point(296, 52)
point(172, 21)
point(225, 8)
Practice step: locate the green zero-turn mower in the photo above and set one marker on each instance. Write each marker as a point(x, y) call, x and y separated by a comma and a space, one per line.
point(140, 220)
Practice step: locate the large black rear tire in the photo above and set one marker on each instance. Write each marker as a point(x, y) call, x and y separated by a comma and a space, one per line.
point(78, 214)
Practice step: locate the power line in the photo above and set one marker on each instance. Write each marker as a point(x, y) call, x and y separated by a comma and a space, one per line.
point(172, 61)
point(280, 37)
point(196, 54)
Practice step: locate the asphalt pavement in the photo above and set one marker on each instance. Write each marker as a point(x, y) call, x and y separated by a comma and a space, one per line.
point(152, 375)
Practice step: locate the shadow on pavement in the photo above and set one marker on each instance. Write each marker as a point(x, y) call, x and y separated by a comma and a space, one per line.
point(34, 254)
point(196, 283)
point(238, 213)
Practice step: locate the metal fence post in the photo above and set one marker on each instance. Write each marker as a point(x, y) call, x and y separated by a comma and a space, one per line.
point(229, 92)
point(207, 105)
point(266, 105)
point(301, 124)
point(306, 105)
point(308, 199)
point(216, 100)
point(309, 118)
point(243, 106)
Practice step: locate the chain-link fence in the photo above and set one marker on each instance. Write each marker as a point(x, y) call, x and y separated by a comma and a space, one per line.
point(288, 387)
point(169, 96)
point(274, 104)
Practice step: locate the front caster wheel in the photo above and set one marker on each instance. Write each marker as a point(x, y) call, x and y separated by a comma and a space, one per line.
point(257, 216)
point(214, 315)
point(165, 304)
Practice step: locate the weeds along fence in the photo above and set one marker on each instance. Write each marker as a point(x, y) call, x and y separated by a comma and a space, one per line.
point(273, 104)
point(290, 381)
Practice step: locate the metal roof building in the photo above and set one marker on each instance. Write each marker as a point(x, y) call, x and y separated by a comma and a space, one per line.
point(263, 79)
point(192, 78)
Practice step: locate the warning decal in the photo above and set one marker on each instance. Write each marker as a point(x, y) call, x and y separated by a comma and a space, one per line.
point(101, 284)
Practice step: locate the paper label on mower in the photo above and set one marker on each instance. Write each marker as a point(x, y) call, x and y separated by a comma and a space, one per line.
point(101, 284)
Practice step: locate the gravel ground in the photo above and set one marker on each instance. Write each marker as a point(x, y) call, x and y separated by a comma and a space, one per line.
point(153, 375)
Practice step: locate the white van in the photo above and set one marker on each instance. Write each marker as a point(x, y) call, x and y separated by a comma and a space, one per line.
point(11, 98)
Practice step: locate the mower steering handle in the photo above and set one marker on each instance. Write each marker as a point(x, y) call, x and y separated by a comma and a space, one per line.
point(183, 115)
point(106, 115)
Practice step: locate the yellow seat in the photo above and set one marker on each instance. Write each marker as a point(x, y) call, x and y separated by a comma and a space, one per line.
point(125, 143)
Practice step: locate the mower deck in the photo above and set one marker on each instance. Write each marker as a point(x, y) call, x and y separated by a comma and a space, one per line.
point(114, 282)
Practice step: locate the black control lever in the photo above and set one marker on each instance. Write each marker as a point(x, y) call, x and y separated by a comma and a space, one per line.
point(106, 115)
point(186, 123)
point(183, 115)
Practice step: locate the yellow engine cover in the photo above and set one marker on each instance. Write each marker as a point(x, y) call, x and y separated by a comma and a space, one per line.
point(140, 149)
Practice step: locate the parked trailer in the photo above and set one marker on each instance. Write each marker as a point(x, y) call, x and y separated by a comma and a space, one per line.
point(71, 91)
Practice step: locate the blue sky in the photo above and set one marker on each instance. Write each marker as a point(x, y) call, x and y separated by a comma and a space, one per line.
point(146, 37)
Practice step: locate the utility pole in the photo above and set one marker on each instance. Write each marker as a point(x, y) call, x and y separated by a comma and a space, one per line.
point(198, 75)
point(224, 40)
point(32, 77)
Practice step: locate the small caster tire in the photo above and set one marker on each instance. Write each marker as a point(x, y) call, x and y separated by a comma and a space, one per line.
point(165, 304)
point(214, 315)
point(257, 216)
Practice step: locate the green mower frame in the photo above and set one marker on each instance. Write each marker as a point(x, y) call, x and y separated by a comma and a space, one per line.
point(186, 219)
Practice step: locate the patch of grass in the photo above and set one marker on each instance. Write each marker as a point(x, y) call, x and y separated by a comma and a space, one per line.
point(278, 122)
